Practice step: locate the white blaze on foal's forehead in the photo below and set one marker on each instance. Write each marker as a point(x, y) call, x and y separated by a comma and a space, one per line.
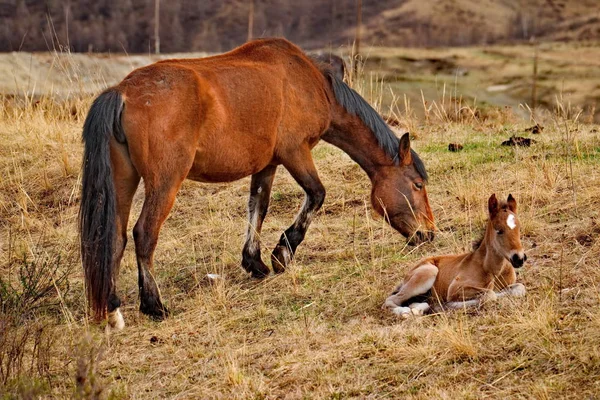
point(510, 221)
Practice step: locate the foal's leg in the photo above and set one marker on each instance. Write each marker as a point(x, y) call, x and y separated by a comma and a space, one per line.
point(258, 204)
point(126, 180)
point(418, 281)
point(514, 290)
point(157, 204)
point(461, 295)
point(303, 170)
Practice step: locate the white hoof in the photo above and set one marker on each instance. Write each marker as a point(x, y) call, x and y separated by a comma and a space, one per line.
point(115, 321)
point(518, 290)
point(419, 308)
point(403, 312)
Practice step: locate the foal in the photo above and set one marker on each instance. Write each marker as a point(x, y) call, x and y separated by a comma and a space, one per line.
point(457, 281)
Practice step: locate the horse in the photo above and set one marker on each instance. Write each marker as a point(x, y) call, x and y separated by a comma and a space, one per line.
point(466, 280)
point(220, 119)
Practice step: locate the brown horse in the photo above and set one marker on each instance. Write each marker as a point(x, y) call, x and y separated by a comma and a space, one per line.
point(219, 119)
point(457, 281)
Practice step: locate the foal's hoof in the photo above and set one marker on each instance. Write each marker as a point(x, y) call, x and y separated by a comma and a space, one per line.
point(402, 312)
point(154, 309)
point(518, 290)
point(281, 258)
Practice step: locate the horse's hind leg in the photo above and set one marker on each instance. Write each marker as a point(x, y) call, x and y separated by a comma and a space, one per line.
point(258, 204)
point(303, 170)
point(418, 281)
point(160, 197)
point(126, 180)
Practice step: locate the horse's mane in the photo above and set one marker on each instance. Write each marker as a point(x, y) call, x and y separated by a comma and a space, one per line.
point(356, 105)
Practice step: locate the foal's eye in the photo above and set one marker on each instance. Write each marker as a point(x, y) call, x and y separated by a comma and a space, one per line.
point(418, 185)
point(500, 231)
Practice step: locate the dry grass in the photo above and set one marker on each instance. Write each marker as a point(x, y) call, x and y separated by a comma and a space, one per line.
point(316, 331)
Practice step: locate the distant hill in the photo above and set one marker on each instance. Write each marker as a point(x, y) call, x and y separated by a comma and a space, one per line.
point(214, 25)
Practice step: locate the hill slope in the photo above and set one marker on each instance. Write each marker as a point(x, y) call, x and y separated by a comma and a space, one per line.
point(220, 25)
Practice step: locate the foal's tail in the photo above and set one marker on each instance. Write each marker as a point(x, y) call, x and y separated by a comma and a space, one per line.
point(97, 212)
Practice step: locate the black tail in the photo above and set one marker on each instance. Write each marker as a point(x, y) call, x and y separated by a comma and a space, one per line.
point(97, 212)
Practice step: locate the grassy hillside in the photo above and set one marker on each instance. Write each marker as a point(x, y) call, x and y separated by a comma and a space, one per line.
point(316, 331)
point(472, 22)
point(211, 25)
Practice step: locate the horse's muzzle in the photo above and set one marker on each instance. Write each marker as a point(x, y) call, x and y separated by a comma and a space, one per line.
point(517, 262)
point(421, 237)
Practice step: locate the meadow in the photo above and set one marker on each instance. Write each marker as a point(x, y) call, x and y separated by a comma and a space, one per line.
point(316, 331)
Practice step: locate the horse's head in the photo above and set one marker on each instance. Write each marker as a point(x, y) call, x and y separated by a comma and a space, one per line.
point(504, 230)
point(399, 195)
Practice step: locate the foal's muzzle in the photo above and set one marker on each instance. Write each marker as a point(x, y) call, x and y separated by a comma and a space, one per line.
point(517, 262)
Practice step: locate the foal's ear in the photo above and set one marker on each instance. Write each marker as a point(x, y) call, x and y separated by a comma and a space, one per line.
point(512, 203)
point(493, 205)
point(404, 150)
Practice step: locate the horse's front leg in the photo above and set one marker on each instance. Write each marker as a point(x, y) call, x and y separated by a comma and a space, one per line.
point(303, 170)
point(258, 204)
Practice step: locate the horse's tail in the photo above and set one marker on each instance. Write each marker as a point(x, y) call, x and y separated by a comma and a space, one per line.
point(97, 212)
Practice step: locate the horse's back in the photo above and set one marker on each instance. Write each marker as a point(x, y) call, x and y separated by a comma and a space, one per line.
point(239, 111)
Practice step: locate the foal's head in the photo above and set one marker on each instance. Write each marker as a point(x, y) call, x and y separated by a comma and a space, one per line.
point(400, 196)
point(503, 230)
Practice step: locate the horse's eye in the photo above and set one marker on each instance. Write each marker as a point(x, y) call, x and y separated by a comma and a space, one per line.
point(500, 231)
point(418, 185)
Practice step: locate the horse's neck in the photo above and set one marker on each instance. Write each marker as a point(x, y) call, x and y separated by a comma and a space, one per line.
point(356, 140)
point(492, 261)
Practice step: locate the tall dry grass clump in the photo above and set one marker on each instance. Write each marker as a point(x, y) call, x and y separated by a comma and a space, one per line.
point(316, 331)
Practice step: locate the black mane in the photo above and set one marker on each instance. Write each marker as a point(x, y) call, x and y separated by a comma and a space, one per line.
point(356, 105)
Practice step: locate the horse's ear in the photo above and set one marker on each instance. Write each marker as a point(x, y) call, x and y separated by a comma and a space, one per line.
point(404, 150)
point(512, 203)
point(493, 205)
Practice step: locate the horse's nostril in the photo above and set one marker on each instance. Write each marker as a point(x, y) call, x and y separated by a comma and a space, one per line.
point(517, 261)
point(420, 236)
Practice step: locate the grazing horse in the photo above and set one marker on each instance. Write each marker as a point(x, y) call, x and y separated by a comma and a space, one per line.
point(219, 119)
point(457, 281)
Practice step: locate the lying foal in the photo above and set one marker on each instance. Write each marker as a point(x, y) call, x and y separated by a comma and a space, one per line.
point(457, 281)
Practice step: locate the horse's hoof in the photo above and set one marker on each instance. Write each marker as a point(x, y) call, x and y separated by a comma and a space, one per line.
point(518, 290)
point(259, 274)
point(281, 258)
point(403, 312)
point(156, 310)
point(115, 321)
point(257, 268)
point(419, 309)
